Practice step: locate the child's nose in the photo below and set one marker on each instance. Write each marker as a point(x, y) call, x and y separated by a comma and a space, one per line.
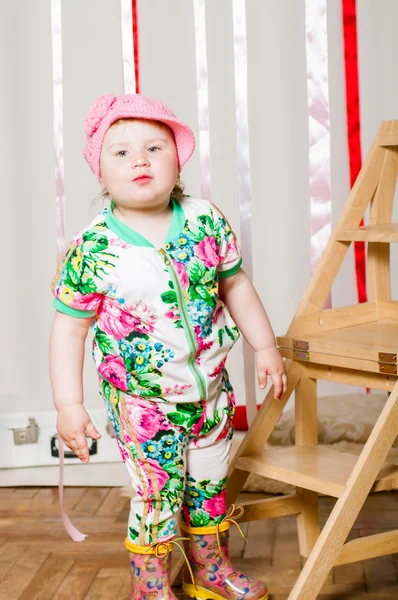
point(140, 161)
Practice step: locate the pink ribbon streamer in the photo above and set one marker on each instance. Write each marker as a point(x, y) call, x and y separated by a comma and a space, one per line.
point(58, 122)
point(75, 534)
point(130, 84)
point(56, 28)
point(319, 129)
point(203, 96)
point(245, 191)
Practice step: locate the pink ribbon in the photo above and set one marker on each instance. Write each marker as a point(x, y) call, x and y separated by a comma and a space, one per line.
point(58, 123)
point(203, 96)
point(130, 86)
point(245, 191)
point(75, 534)
point(319, 129)
point(56, 28)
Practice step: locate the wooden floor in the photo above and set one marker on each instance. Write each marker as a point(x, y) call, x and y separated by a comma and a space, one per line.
point(38, 561)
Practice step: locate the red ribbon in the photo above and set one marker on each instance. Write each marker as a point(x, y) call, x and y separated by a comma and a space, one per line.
point(353, 125)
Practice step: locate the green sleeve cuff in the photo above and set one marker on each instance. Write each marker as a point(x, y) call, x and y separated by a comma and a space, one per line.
point(230, 272)
point(72, 312)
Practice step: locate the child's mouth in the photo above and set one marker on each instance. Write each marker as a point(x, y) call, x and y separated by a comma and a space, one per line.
point(142, 179)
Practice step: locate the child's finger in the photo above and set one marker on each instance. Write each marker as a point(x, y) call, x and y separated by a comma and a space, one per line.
point(80, 452)
point(68, 443)
point(81, 448)
point(262, 379)
point(92, 431)
point(284, 381)
point(278, 386)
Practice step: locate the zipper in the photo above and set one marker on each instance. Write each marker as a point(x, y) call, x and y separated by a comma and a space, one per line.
point(186, 326)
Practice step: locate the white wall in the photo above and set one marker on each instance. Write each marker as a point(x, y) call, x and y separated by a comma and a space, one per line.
point(278, 136)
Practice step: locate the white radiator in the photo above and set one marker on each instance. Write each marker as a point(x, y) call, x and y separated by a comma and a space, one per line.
point(40, 452)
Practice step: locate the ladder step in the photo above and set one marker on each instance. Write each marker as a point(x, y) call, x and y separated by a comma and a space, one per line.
point(316, 468)
point(370, 546)
point(388, 139)
point(386, 233)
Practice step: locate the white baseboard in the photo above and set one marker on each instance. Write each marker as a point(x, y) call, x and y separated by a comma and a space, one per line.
point(87, 475)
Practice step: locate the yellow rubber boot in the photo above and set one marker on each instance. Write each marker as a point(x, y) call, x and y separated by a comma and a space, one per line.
point(215, 577)
point(150, 571)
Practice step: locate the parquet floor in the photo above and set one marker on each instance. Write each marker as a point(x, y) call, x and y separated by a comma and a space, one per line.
point(38, 561)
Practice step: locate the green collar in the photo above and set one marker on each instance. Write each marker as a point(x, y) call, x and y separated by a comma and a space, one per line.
point(131, 236)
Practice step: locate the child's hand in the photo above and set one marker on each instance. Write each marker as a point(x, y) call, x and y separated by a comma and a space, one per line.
point(269, 363)
point(73, 422)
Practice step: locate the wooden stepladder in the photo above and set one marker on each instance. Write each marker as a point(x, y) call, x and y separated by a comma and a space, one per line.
point(355, 345)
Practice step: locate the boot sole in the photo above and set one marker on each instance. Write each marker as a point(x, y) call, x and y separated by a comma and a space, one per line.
point(201, 593)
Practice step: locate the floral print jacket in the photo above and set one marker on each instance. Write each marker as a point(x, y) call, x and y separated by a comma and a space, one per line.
point(160, 328)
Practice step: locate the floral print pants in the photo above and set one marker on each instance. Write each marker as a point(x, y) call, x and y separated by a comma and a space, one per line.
point(177, 457)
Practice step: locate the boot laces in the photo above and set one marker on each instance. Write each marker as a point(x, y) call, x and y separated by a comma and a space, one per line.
point(234, 512)
point(162, 549)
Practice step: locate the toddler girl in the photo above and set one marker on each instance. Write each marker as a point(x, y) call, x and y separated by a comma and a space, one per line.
point(158, 278)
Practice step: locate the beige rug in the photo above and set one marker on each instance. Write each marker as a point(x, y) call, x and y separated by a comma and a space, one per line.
point(345, 423)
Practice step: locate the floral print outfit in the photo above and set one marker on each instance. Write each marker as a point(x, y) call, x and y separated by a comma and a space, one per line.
point(161, 336)
point(177, 457)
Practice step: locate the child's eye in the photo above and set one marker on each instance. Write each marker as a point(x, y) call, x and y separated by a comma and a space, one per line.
point(153, 149)
point(122, 153)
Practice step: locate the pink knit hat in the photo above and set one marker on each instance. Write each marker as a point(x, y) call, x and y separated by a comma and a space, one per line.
point(108, 109)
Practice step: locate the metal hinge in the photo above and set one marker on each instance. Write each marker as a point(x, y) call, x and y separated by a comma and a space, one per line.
point(301, 345)
point(301, 355)
point(388, 363)
point(389, 369)
point(387, 358)
point(300, 350)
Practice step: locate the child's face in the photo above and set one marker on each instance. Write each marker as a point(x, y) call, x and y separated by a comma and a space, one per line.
point(138, 163)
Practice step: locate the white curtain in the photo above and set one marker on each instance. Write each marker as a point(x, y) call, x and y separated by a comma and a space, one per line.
point(278, 136)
